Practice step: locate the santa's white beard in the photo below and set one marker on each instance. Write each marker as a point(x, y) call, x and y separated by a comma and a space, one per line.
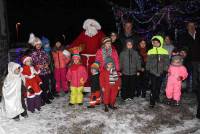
point(92, 31)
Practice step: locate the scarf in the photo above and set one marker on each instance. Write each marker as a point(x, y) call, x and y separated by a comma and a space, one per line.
point(113, 77)
point(106, 53)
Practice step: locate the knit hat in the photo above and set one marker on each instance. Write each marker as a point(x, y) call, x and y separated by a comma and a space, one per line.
point(105, 40)
point(76, 54)
point(109, 60)
point(25, 58)
point(46, 44)
point(95, 65)
point(33, 40)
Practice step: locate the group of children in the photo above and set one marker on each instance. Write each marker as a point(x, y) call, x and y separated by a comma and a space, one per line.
point(135, 65)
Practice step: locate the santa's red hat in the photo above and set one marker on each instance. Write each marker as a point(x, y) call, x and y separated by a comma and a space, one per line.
point(25, 58)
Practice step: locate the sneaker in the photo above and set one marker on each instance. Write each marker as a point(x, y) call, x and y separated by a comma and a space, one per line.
point(176, 103)
point(16, 118)
point(151, 106)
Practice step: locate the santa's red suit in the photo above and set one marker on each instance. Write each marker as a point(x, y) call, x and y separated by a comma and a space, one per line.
point(89, 41)
point(32, 80)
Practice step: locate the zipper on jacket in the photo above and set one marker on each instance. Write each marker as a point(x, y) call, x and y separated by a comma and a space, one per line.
point(129, 61)
point(157, 59)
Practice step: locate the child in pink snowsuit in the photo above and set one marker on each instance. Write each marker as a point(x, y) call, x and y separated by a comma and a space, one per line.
point(61, 58)
point(176, 74)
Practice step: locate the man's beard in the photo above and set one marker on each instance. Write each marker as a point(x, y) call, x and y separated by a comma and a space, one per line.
point(92, 31)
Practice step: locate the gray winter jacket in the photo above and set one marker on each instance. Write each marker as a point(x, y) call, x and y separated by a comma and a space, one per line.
point(130, 62)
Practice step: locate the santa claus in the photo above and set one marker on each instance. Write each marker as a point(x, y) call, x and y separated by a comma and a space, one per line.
point(89, 41)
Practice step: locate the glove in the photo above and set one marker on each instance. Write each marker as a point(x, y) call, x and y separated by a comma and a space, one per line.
point(30, 90)
point(81, 82)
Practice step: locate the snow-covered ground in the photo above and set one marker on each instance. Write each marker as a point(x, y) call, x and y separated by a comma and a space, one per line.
point(133, 117)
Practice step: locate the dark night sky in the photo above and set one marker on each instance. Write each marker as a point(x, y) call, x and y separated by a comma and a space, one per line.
point(53, 17)
point(56, 17)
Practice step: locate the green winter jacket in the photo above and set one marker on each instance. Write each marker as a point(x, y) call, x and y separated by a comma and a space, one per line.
point(157, 59)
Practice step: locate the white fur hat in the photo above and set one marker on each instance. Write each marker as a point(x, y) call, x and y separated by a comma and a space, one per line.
point(34, 40)
point(66, 53)
point(91, 22)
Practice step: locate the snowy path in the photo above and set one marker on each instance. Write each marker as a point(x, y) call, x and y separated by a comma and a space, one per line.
point(132, 117)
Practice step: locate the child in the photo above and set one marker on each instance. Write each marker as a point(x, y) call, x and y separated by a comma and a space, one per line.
point(77, 76)
point(110, 84)
point(32, 84)
point(47, 48)
point(41, 61)
point(95, 97)
point(176, 74)
point(12, 107)
point(60, 64)
point(157, 65)
point(142, 79)
point(130, 64)
point(107, 50)
point(168, 45)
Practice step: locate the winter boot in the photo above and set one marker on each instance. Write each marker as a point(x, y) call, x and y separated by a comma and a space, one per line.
point(113, 107)
point(106, 108)
point(24, 114)
point(152, 101)
point(16, 118)
point(198, 112)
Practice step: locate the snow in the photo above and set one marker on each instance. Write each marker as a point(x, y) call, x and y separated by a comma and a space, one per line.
point(133, 117)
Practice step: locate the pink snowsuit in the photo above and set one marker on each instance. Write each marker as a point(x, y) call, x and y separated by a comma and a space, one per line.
point(176, 74)
point(60, 71)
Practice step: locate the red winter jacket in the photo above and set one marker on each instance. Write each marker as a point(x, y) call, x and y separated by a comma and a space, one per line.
point(104, 79)
point(75, 73)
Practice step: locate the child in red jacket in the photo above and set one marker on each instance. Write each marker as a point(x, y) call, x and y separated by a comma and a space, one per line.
point(110, 84)
point(77, 76)
point(33, 84)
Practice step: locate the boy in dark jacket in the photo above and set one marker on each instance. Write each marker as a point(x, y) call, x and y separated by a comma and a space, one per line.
point(130, 64)
point(157, 65)
point(95, 97)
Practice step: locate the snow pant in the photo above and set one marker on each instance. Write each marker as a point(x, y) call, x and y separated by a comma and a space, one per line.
point(128, 86)
point(45, 87)
point(142, 84)
point(95, 98)
point(173, 88)
point(53, 84)
point(156, 82)
point(195, 75)
point(23, 101)
point(110, 94)
point(34, 103)
point(76, 96)
point(61, 80)
point(196, 82)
